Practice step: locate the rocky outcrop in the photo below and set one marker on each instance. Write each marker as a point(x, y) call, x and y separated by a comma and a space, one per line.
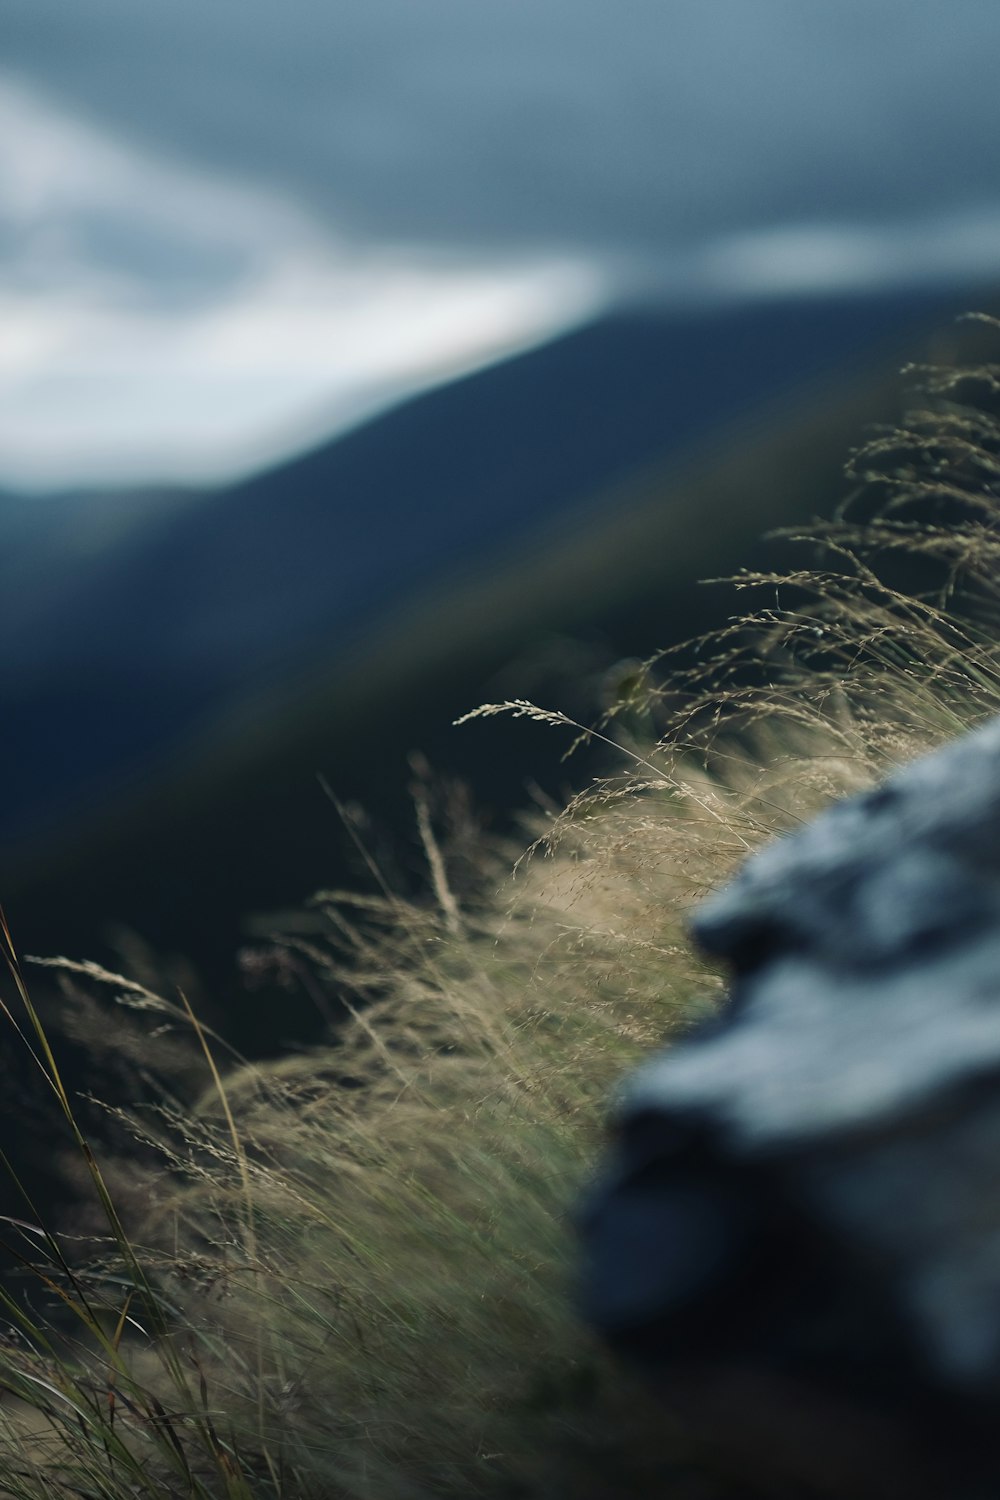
point(799, 1233)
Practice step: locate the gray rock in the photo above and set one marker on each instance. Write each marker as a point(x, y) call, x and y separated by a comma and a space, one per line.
point(808, 1190)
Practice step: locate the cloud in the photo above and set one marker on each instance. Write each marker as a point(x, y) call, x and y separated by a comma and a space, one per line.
point(164, 323)
point(797, 259)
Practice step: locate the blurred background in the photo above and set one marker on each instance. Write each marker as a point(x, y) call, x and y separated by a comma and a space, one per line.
point(363, 360)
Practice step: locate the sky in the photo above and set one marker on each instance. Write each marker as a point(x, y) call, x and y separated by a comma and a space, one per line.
point(227, 230)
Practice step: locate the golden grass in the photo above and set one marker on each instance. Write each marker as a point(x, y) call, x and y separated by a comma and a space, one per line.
point(350, 1272)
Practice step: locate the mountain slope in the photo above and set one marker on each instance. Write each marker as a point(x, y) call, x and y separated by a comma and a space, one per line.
point(169, 706)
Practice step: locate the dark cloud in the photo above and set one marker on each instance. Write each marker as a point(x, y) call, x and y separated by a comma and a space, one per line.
point(637, 127)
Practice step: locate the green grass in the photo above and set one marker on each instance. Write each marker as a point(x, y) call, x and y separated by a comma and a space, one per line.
point(350, 1272)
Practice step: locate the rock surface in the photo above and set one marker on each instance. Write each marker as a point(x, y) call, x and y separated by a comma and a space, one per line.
point(804, 1204)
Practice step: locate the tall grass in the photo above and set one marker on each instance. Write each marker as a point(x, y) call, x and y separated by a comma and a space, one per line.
point(350, 1272)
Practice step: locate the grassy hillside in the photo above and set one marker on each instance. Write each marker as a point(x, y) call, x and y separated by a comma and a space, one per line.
point(611, 472)
point(350, 1272)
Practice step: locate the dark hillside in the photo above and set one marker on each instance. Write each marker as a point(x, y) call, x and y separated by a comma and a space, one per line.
point(169, 706)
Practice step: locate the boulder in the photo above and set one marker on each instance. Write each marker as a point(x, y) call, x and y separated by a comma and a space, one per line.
point(798, 1232)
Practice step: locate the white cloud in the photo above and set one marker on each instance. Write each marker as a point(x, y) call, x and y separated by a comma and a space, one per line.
point(796, 259)
point(159, 323)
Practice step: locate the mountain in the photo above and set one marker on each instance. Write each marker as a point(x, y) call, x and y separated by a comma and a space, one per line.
point(173, 684)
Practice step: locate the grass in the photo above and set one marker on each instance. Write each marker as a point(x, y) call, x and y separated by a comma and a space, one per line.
point(349, 1273)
